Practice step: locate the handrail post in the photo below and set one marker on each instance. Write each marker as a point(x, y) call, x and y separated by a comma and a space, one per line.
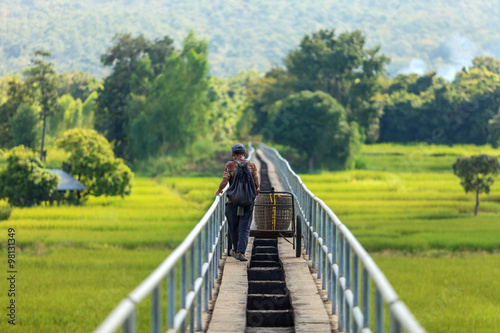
point(171, 299)
point(207, 273)
point(130, 324)
point(198, 274)
point(342, 302)
point(320, 235)
point(366, 298)
point(347, 253)
point(313, 224)
point(355, 287)
point(326, 237)
point(183, 282)
point(156, 310)
point(379, 312)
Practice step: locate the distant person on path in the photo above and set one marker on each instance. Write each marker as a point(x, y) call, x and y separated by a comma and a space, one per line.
point(239, 221)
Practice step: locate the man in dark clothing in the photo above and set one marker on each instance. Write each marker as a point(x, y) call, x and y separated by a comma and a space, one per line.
point(239, 226)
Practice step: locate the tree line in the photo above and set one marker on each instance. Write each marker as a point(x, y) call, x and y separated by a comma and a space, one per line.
point(332, 93)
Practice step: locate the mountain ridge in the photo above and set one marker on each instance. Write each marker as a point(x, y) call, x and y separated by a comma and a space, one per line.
point(418, 36)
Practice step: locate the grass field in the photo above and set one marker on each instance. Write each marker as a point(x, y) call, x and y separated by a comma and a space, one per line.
point(406, 207)
point(409, 210)
point(76, 263)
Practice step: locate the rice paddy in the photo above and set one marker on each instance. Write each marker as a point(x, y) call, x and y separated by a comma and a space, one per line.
point(418, 223)
point(406, 207)
point(76, 263)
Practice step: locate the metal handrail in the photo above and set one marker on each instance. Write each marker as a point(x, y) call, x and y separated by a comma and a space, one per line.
point(348, 268)
point(198, 256)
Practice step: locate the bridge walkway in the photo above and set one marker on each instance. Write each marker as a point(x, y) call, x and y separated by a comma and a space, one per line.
point(308, 302)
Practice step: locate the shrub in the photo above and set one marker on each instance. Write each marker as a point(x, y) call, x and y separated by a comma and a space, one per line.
point(25, 181)
point(5, 212)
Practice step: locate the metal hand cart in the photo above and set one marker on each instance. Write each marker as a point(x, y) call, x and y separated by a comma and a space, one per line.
point(274, 213)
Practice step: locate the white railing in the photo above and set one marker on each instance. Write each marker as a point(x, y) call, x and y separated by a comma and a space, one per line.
point(196, 259)
point(347, 271)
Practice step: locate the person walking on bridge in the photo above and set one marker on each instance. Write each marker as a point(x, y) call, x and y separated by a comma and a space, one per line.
point(239, 217)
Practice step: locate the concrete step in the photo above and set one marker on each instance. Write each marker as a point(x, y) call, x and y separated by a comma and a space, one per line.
point(270, 330)
point(269, 318)
point(264, 263)
point(266, 274)
point(268, 302)
point(264, 249)
point(266, 257)
point(266, 242)
point(267, 287)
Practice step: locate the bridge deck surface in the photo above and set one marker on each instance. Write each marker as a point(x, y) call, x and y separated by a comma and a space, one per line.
point(310, 314)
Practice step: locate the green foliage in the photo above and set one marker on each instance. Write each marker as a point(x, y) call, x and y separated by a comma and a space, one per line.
point(341, 66)
point(25, 182)
point(92, 162)
point(21, 104)
point(135, 63)
point(316, 125)
point(41, 80)
point(14, 92)
point(175, 111)
point(26, 127)
point(229, 97)
point(202, 158)
point(429, 109)
point(477, 173)
point(5, 212)
point(494, 131)
point(72, 113)
point(77, 84)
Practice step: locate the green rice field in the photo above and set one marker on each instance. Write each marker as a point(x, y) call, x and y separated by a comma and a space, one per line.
point(409, 210)
point(76, 263)
point(406, 207)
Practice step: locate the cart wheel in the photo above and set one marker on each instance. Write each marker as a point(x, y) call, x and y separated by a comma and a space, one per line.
point(298, 236)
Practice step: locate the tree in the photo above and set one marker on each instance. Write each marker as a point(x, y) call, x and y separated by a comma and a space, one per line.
point(262, 93)
point(16, 94)
point(25, 126)
point(41, 77)
point(494, 131)
point(25, 181)
point(175, 111)
point(77, 84)
point(343, 67)
point(230, 99)
point(316, 125)
point(129, 72)
point(477, 173)
point(479, 90)
point(92, 162)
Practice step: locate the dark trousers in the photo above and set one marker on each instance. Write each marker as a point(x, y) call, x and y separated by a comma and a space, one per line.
point(239, 226)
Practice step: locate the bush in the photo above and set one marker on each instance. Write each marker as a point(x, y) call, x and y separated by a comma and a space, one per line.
point(92, 162)
point(25, 181)
point(5, 212)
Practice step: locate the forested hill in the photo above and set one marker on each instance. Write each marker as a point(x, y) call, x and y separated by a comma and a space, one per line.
point(424, 34)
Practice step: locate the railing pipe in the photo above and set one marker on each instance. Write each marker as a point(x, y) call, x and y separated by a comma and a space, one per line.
point(339, 258)
point(203, 248)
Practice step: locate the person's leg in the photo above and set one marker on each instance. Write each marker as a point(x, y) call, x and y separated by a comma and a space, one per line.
point(244, 229)
point(232, 221)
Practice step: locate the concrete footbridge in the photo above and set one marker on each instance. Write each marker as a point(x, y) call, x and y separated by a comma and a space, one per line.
point(314, 278)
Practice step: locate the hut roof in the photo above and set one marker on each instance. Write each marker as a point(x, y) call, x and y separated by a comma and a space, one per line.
point(67, 182)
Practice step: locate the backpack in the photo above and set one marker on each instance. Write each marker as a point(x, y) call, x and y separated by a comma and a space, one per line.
point(242, 191)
